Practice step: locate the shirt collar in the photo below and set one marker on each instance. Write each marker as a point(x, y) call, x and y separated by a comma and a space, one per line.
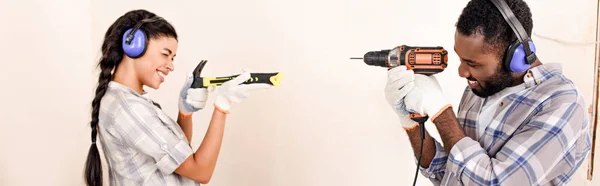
point(539, 74)
point(122, 88)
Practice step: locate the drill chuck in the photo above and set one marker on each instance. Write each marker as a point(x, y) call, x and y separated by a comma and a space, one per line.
point(377, 58)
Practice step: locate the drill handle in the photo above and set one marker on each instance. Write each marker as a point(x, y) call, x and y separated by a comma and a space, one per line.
point(421, 119)
point(418, 117)
point(268, 78)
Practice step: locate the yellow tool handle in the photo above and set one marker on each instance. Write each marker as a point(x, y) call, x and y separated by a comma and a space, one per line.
point(268, 78)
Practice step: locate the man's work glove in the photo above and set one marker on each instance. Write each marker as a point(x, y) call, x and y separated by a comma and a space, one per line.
point(233, 91)
point(399, 84)
point(426, 98)
point(191, 99)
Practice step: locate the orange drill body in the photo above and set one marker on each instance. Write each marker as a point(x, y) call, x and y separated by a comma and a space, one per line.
point(422, 60)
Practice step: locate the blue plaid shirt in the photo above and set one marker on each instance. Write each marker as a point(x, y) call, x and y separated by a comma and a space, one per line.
point(537, 136)
point(141, 143)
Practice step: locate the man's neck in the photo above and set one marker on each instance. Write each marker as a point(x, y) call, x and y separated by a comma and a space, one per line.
point(520, 76)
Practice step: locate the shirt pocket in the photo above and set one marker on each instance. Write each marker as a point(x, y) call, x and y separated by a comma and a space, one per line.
point(170, 123)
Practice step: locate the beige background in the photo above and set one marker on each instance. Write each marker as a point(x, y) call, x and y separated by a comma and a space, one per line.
point(328, 124)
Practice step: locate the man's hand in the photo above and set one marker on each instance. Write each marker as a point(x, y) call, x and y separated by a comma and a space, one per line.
point(399, 83)
point(426, 98)
point(233, 91)
point(191, 99)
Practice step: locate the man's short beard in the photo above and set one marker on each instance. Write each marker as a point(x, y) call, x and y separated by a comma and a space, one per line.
point(501, 79)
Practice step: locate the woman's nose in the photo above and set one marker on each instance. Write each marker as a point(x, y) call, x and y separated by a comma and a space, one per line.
point(170, 66)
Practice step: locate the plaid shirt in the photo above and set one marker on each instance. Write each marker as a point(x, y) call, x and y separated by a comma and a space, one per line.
point(142, 144)
point(538, 136)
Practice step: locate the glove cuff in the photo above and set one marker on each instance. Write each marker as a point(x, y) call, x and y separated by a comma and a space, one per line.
point(442, 109)
point(222, 104)
point(221, 110)
point(415, 125)
point(184, 115)
point(182, 108)
point(407, 123)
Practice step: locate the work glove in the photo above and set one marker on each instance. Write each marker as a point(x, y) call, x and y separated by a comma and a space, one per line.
point(233, 91)
point(399, 84)
point(426, 98)
point(191, 99)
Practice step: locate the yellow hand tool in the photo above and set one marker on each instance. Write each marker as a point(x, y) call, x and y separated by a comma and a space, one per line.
point(204, 82)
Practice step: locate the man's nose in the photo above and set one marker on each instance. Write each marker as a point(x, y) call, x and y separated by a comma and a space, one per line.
point(463, 71)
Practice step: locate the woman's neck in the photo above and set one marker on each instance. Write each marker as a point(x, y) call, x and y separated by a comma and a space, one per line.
point(125, 75)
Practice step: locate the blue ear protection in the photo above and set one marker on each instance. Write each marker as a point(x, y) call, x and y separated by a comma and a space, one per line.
point(521, 53)
point(135, 40)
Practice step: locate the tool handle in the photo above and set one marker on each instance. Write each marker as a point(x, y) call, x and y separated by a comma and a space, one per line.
point(268, 78)
point(421, 119)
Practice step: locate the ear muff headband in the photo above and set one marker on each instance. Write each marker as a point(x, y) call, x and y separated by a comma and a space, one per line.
point(521, 53)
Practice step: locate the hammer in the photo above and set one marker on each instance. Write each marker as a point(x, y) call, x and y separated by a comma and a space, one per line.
point(205, 82)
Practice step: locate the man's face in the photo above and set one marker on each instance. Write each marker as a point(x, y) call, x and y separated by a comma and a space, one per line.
point(482, 68)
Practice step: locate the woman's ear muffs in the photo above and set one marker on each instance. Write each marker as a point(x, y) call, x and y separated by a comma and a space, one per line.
point(135, 40)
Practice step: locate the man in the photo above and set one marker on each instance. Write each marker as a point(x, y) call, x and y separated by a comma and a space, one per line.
point(512, 128)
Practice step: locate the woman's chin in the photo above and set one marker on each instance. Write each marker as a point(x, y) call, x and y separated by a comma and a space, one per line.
point(154, 85)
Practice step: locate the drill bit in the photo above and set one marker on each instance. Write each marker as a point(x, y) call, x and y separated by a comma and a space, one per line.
point(356, 58)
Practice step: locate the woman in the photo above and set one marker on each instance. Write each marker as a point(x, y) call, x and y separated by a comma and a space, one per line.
point(142, 145)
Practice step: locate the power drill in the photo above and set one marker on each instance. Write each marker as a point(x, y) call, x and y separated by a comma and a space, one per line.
point(422, 60)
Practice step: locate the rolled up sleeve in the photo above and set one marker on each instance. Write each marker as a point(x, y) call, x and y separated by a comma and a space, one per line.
point(143, 130)
point(435, 171)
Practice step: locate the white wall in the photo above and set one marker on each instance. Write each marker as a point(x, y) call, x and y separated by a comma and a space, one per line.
point(575, 23)
point(46, 91)
point(327, 124)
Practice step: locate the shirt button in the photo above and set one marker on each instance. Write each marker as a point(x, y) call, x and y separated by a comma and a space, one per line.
point(528, 75)
point(501, 103)
point(164, 147)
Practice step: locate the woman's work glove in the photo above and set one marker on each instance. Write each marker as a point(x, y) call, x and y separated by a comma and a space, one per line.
point(426, 98)
point(399, 84)
point(191, 99)
point(233, 91)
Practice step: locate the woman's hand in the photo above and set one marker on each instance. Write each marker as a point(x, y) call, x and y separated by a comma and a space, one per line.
point(233, 91)
point(191, 99)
